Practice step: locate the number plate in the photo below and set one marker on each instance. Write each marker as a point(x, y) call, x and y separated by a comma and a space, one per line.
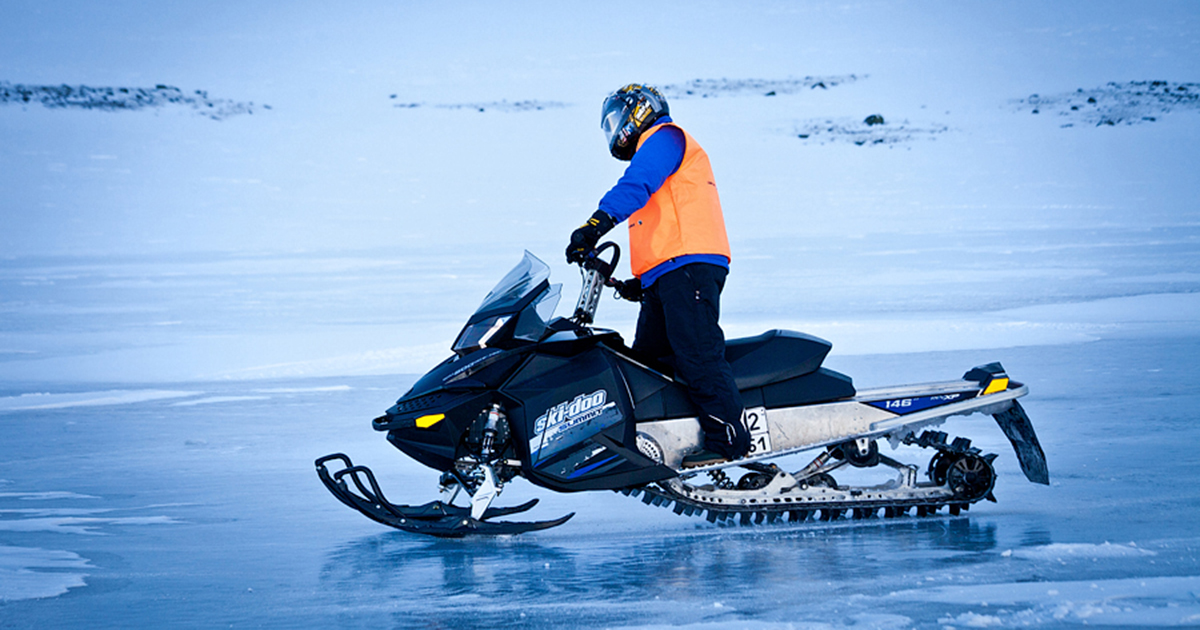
point(755, 420)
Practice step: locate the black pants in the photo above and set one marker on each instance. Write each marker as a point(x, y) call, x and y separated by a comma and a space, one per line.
point(678, 324)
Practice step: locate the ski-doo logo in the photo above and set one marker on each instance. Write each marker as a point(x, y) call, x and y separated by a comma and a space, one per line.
point(582, 408)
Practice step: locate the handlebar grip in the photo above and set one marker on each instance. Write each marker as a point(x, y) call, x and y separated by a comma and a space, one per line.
point(604, 267)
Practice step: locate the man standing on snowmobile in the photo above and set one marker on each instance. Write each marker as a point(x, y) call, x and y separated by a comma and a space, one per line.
point(680, 258)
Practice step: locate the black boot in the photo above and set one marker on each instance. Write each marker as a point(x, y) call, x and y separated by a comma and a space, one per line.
point(703, 457)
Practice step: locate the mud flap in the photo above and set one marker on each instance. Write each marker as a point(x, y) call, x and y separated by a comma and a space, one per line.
point(1019, 430)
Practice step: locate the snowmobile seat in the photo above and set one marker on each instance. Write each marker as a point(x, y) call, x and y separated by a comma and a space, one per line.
point(823, 385)
point(779, 368)
point(776, 355)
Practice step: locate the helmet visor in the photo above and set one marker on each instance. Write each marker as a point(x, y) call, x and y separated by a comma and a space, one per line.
point(612, 121)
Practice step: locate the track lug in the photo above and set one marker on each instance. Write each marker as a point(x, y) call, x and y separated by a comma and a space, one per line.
point(831, 514)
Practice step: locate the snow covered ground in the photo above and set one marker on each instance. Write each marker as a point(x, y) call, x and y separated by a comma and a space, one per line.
point(193, 308)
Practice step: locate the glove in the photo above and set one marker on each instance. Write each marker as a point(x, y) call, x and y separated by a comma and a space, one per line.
point(584, 239)
point(630, 289)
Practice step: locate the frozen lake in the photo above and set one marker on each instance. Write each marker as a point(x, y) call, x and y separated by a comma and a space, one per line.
point(200, 508)
point(224, 271)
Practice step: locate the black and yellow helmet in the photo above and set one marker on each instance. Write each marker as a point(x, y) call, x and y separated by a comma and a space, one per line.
point(627, 113)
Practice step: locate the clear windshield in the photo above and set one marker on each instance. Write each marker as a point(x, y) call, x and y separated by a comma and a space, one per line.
point(502, 301)
point(516, 284)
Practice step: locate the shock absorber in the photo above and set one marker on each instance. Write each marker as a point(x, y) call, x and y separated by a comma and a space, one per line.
point(491, 429)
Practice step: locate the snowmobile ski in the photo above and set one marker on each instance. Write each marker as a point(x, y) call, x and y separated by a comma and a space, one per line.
point(435, 518)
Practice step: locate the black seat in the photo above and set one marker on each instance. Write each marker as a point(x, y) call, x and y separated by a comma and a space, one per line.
point(774, 356)
point(779, 368)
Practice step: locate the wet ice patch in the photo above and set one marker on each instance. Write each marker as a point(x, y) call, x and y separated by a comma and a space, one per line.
point(1061, 551)
point(871, 130)
point(712, 88)
point(1132, 103)
point(65, 520)
point(876, 621)
point(32, 573)
point(1134, 602)
point(217, 399)
point(35, 401)
point(122, 98)
point(44, 496)
point(83, 525)
point(305, 390)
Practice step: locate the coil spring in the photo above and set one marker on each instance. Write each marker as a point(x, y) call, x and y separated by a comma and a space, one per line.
point(720, 479)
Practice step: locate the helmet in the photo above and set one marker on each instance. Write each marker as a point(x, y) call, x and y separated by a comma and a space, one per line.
point(627, 113)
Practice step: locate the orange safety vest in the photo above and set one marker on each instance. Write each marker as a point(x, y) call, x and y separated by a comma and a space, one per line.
point(683, 217)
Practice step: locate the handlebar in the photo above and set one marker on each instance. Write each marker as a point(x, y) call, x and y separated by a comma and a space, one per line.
point(597, 275)
point(605, 268)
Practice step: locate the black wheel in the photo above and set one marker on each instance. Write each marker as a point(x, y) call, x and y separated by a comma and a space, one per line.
point(821, 480)
point(970, 477)
point(849, 452)
point(753, 481)
point(938, 466)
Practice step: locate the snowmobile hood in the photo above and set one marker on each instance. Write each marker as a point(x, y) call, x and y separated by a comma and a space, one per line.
point(457, 371)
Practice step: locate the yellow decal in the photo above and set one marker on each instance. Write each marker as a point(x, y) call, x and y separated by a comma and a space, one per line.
point(997, 385)
point(424, 422)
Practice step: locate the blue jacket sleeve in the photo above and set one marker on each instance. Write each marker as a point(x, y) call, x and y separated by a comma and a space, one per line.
point(657, 159)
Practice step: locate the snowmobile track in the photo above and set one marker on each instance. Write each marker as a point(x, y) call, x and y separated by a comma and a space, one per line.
point(864, 503)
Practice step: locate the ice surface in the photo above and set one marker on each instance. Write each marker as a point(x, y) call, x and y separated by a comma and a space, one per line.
point(192, 310)
point(45, 400)
point(24, 574)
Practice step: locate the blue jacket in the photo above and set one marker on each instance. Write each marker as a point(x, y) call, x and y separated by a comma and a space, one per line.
point(657, 159)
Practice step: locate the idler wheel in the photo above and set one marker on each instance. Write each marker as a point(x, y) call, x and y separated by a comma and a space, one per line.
point(862, 453)
point(970, 476)
point(820, 480)
point(754, 481)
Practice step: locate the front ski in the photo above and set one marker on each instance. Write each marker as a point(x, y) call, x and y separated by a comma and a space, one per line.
point(435, 518)
point(463, 526)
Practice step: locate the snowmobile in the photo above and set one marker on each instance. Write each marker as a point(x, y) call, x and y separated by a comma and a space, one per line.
point(570, 407)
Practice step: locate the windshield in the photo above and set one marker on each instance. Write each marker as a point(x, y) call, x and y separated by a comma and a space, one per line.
point(516, 284)
point(511, 310)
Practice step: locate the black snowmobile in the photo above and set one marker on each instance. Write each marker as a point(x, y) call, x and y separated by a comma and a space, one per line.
point(570, 407)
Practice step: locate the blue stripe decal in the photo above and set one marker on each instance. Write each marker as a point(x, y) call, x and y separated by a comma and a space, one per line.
point(904, 406)
point(587, 469)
